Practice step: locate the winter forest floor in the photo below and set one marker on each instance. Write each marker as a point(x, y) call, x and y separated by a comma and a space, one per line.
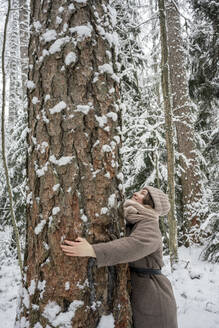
point(195, 283)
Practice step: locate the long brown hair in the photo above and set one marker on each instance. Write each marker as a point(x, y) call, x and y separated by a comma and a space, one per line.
point(148, 200)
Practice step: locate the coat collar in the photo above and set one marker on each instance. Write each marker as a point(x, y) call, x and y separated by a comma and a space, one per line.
point(134, 211)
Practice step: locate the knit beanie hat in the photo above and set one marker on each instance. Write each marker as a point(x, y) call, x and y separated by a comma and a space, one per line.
point(160, 199)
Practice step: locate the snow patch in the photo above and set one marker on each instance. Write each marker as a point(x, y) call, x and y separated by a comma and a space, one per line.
point(106, 321)
point(64, 160)
point(102, 120)
point(30, 85)
point(70, 58)
point(57, 318)
point(84, 109)
point(67, 285)
point(112, 200)
point(55, 210)
point(106, 149)
point(35, 100)
point(58, 44)
point(56, 187)
point(83, 31)
point(39, 227)
point(103, 210)
point(113, 116)
point(58, 108)
point(32, 287)
point(49, 35)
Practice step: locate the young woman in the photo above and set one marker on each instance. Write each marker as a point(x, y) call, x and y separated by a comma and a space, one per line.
point(152, 299)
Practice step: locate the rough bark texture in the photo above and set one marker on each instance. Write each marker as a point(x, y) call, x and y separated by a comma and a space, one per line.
point(183, 115)
point(169, 132)
point(73, 166)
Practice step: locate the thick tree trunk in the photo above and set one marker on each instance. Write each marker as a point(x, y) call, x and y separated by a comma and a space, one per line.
point(169, 133)
point(183, 115)
point(73, 167)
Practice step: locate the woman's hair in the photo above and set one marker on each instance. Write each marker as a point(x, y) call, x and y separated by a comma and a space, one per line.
point(148, 200)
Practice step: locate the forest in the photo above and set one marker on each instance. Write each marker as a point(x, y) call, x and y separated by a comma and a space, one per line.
point(98, 100)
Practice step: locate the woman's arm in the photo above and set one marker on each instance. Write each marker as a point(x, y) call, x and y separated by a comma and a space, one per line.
point(144, 240)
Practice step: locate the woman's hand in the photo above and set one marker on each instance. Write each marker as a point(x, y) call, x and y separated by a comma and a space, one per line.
point(80, 247)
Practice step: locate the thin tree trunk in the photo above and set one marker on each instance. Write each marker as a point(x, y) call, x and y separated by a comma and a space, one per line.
point(14, 64)
point(4, 158)
point(24, 37)
point(169, 133)
point(183, 115)
point(73, 167)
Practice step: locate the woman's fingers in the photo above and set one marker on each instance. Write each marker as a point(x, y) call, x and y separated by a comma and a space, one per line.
point(79, 239)
point(69, 242)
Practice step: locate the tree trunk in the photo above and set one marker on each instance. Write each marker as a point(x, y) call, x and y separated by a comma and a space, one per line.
point(183, 116)
point(24, 37)
point(14, 64)
point(73, 167)
point(169, 133)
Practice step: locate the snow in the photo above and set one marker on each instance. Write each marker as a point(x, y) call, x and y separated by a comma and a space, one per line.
point(102, 120)
point(49, 35)
point(32, 287)
point(106, 149)
point(70, 58)
point(67, 285)
point(111, 200)
point(58, 20)
point(80, 1)
point(84, 109)
point(39, 227)
point(56, 187)
point(35, 100)
point(83, 31)
point(103, 210)
point(84, 218)
point(58, 44)
point(55, 210)
point(41, 172)
point(113, 116)
point(37, 25)
point(197, 298)
point(64, 160)
point(57, 318)
point(58, 107)
point(31, 85)
point(106, 321)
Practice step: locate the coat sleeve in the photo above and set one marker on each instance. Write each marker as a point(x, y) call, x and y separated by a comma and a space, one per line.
point(143, 241)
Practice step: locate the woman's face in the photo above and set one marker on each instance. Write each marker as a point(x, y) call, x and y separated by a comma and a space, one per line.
point(138, 196)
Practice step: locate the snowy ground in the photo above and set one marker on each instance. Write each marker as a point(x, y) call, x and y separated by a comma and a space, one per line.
point(195, 283)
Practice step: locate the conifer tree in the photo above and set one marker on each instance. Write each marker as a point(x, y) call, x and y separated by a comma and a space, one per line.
point(73, 166)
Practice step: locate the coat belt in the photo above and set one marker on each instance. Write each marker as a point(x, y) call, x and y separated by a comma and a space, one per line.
point(145, 270)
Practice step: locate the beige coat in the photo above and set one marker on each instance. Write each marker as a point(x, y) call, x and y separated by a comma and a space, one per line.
point(152, 299)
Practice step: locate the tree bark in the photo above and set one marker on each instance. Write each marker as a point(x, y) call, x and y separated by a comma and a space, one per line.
point(183, 117)
point(74, 186)
point(169, 133)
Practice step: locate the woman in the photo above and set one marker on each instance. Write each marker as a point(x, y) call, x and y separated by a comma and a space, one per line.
point(152, 299)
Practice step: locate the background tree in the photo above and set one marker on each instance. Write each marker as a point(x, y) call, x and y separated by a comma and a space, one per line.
point(73, 166)
point(204, 92)
point(183, 111)
point(165, 77)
